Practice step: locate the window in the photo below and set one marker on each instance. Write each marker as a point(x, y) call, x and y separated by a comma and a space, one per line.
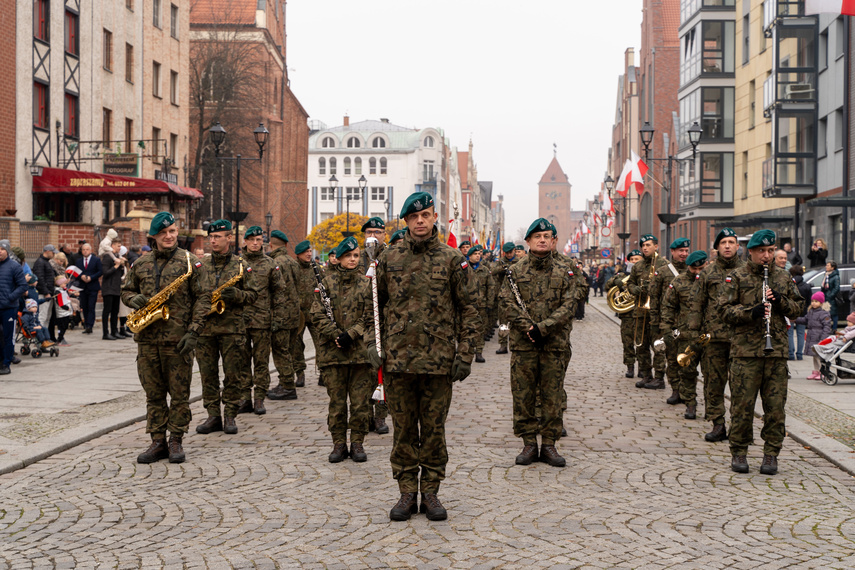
point(72, 111)
point(822, 138)
point(716, 177)
point(332, 166)
point(155, 79)
point(429, 142)
point(761, 35)
point(347, 166)
point(173, 21)
point(378, 193)
point(353, 193)
point(41, 20)
point(718, 42)
point(129, 63)
point(839, 130)
point(353, 142)
point(327, 194)
point(752, 103)
point(173, 147)
point(744, 175)
point(129, 134)
point(155, 6)
point(382, 166)
point(427, 171)
point(372, 166)
point(357, 166)
point(173, 87)
point(328, 142)
point(840, 37)
point(72, 33)
point(322, 166)
point(378, 142)
point(108, 50)
point(823, 49)
point(41, 105)
point(155, 145)
point(746, 39)
point(326, 216)
point(717, 113)
point(106, 126)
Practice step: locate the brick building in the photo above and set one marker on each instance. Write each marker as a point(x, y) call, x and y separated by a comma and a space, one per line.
point(7, 112)
point(553, 200)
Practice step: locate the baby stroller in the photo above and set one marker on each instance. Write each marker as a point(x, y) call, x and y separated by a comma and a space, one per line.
point(834, 366)
point(29, 343)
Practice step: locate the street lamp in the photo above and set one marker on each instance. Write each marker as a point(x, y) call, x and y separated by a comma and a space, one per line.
point(217, 135)
point(268, 217)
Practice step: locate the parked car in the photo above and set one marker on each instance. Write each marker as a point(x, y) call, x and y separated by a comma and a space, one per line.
point(847, 273)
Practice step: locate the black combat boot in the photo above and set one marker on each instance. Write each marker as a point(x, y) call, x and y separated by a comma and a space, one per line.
point(739, 464)
point(380, 426)
point(549, 455)
point(357, 452)
point(258, 408)
point(244, 407)
point(432, 508)
point(630, 370)
point(479, 357)
point(691, 412)
point(212, 424)
point(528, 454)
point(230, 425)
point(645, 376)
point(176, 452)
point(674, 398)
point(502, 350)
point(657, 383)
point(155, 452)
point(406, 506)
point(282, 394)
point(769, 465)
point(301, 380)
point(339, 453)
point(718, 433)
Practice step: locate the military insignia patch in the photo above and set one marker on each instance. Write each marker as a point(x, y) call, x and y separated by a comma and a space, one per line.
point(698, 276)
point(249, 269)
point(276, 268)
point(464, 265)
point(542, 226)
point(728, 279)
point(198, 264)
point(570, 273)
point(417, 205)
point(670, 286)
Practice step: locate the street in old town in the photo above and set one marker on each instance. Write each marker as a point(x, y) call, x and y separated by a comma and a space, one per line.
point(641, 488)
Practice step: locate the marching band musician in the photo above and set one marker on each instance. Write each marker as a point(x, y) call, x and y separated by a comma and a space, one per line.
point(499, 271)
point(639, 286)
point(661, 279)
point(165, 347)
point(705, 318)
point(483, 293)
point(223, 334)
point(759, 346)
point(306, 284)
point(627, 320)
point(674, 315)
point(282, 334)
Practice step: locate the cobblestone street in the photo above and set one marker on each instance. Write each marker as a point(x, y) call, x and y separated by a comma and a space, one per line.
point(641, 490)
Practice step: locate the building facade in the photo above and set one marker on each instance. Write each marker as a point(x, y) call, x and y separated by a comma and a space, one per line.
point(8, 97)
point(553, 200)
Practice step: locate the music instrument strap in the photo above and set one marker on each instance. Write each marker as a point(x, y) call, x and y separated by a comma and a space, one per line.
point(159, 268)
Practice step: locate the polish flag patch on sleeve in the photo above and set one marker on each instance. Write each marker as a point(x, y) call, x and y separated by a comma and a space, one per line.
point(249, 269)
point(728, 279)
point(670, 286)
point(464, 265)
point(198, 264)
point(276, 268)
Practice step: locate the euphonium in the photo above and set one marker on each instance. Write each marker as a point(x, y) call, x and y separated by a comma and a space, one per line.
point(156, 308)
point(685, 358)
point(217, 304)
point(620, 301)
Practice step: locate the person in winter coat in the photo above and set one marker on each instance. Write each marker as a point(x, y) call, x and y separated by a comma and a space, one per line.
point(818, 324)
point(12, 288)
point(63, 309)
point(111, 289)
point(818, 253)
point(831, 287)
point(796, 332)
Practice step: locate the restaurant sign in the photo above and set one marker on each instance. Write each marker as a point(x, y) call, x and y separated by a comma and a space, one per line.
point(122, 164)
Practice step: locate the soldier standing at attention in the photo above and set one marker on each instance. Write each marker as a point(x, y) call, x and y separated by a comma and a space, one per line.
point(639, 282)
point(341, 352)
point(423, 289)
point(375, 228)
point(500, 266)
point(674, 315)
point(224, 334)
point(282, 333)
point(306, 285)
point(267, 311)
point(483, 294)
point(165, 347)
point(539, 336)
point(464, 247)
point(755, 366)
point(627, 319)
point(661, 279)
point(705, 318)
point(397, 236)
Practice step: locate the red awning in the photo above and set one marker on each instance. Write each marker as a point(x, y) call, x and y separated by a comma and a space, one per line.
point(95, 186)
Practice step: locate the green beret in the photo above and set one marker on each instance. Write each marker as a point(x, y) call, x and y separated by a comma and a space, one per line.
point(680, 242)
point(696, 258)
point(279, 235)
point(374, 223)
point(416, 203)
point(397, 236)
point(253, 231)
point(761, 238)
point(726, 232)
point(159, 221)
point(647, 237)
point(508, 247)
point(464, 242)
point(539, 225)
point(220, 226)
point(302, 247)
point(554, 229)
point(520, 247)
point(474, 248)
point(634, 252)
point(347, 244)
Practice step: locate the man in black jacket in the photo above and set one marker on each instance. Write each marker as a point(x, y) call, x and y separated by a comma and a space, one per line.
point(12, 287)
point(91, 270)
point(45, 288)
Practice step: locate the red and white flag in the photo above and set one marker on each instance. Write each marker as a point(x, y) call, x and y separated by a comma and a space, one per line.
point(73, 271)
point(585, 228)
point(578, 235)
point(844, 7)
point(452, 239)
point(610, 222)
point(633, 173)
point(608, 205)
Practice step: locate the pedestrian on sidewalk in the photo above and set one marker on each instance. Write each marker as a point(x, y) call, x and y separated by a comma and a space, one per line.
point(818, 325)
point(63, 309)
point(831, 287)
point(13, 286)
point(45, 274)
point(796, 332)
point(90, 276)
point(818, 253)
point(111, 288)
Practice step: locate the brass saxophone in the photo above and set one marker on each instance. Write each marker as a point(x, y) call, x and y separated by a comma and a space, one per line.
point(156, 308)
point(217, 304)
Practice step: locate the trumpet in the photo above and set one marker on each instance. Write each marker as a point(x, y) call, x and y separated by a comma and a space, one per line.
point(685, 358)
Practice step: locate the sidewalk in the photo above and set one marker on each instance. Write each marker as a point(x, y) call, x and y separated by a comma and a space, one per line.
point(820, 417)
point(48, 405)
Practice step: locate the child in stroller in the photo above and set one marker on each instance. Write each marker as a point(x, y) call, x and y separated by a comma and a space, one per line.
point(832, 348)
point(33, 333)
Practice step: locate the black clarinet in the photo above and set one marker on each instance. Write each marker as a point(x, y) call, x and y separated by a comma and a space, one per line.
point(768, 317)
point(325, 298)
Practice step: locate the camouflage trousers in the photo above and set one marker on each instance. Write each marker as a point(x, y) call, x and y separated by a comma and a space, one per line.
point(748, 377)
point(419, 406)
point(672, 368)
point(162, 370)
point(482, 330)
point(257, 368)
point(504, 333)
point(356, 382)
point(627, 329)
point(280, 341)
point(298, 347)
point(232, 348)
point(688, 375)
point(714, 365)
point(643, 351)
point(536, 372)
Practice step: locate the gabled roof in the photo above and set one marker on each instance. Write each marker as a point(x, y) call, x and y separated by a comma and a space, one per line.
point(554, 174)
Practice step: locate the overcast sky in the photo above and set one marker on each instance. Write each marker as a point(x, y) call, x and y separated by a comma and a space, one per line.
point(515, 76)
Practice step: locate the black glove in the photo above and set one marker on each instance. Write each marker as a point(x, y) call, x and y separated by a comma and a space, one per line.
point(230, 294)
point(776, 297)
point(460, 370)
point(759, 311)
point(535, 336)
point(187, 344)
point(138, 301)
point(374, 359)
point(344, 341)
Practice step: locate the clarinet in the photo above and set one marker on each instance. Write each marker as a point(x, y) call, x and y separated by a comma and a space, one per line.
point(513, 285)
point(768, 317)
point(325, 298)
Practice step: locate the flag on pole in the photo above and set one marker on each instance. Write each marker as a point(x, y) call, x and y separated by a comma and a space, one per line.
point(633, 173)
point(585, 228)
point(843, 7)
point(452, 239)
point(608, 205)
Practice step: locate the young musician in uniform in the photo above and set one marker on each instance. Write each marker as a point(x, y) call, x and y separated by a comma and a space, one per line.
point(282, 333)
point(640, 279)
point(375, 228)
point(483, 293)
point(627, 319)
point(509, 257)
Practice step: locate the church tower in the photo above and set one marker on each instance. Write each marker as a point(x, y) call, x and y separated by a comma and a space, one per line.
point(553, 197)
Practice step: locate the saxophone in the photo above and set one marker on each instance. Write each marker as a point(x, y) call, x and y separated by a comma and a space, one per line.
point(217, 304)
point(156, 308)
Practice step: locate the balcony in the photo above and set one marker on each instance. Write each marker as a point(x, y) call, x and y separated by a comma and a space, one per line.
point(428, 178)
point(689, 8)
point(779, 9)
point(789, 177)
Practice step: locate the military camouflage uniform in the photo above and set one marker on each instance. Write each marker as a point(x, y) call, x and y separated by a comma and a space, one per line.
point(549, 293)
point(379, 409)
point(483, 293)
point(751, 370)
point(627, 323)
point(306, 285)
point(639, 285)
point(283, 332)
point(499, 272)
point(674, 314)
point(705, 318)
point(223, 335)
point(161, 368)
point(422, 287)
point(346, 372)
point(658, 286)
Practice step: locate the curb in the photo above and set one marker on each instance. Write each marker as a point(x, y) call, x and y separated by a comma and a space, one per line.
point(809, 437)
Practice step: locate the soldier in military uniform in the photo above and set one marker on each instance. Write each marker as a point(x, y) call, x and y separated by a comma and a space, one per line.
point(397, 236)
point(639, 282)
point(539, 336)
point(705, 318)
point(499, 271)
point(520, 251)
point(464, 247)
point(341, 352)
point(423, 289)
point(754, 368)
point(674, 315)
point(224, 334)
point(306, 285)
point(483, 293)
point(658, 285)
point(627, 320)
point(165, 347)
point(261, 316)
point(282, 333)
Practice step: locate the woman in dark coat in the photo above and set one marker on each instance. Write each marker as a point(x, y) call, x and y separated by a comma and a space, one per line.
point(111, 289)
point(831, 287)
point(818, 253)
point(796, 332)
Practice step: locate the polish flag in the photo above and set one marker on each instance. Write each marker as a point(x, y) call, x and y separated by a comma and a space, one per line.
point(567, 247)
point(452, 239)
point(633, 173)
point(585, 228)
point(578, 235)
point(73, 271)
point(610, 222)
point(843, 7)
point(608, 205)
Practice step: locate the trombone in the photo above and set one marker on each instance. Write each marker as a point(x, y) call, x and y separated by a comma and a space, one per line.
point(646, 306)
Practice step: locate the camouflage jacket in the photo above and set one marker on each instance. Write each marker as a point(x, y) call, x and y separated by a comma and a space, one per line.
point(483, 288)
point(704, 316)
point(188, 306)
point(548, 291)
point(364, 262)
point(422, 288)
point(617, 281)
point(640, 280)
point(220, 268)
point(352, 308)
point(740, 293)
point(306, 285)
point(676, 303)
point(499, 271)
point(658, 285)
point(290, 271)
point(265, 279)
